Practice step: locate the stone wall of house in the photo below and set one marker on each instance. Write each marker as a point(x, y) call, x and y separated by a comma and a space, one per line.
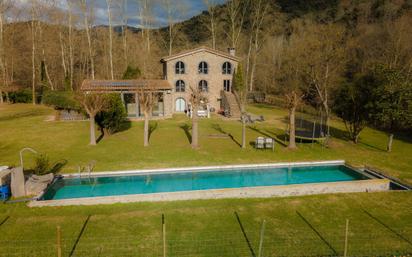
point(215, 77)
point(168, 104)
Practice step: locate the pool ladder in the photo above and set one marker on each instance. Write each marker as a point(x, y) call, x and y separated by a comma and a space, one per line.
point(89, 167)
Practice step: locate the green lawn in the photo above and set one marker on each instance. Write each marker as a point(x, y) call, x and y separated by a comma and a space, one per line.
point(380, 223)
point(25, 126)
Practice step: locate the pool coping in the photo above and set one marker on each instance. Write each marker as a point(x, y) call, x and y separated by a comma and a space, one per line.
point(372, 184)
point(203, 168)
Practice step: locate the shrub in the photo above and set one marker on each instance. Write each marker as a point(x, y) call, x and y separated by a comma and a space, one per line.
point(60, 100)
point(22, 96)
point(43, 165)
point(114, 118)
point(132, 73)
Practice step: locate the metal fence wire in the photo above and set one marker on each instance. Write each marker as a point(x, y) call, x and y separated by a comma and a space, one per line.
point(249, 243)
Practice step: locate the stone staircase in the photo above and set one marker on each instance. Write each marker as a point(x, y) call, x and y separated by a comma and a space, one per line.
point(230, 105)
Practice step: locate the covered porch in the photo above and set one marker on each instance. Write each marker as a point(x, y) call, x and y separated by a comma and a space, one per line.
point(128, 90)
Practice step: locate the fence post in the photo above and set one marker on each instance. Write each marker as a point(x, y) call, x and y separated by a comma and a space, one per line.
point(345, 253)
point(262, 233)
point(164, 235)
point(59, 243)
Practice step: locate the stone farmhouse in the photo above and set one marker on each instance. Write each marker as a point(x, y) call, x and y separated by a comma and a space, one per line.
point(210, 71)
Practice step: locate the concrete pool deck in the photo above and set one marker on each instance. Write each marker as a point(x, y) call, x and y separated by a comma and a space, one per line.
point(370, 185)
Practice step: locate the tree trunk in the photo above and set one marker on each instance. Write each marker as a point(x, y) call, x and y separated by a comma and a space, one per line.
point(243, 131)
point(33, 52)
point(146, 128)
point(2, 57)
point(292, 128)
point(109, 13)
point(390, 142)
point(170, 39)
point(195, 132)
point(71, 57)
point(63, 55)
point(89, 44)
point(356, 138)
point(92, 130)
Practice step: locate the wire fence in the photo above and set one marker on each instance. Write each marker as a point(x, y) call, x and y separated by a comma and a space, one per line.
point(220, 243)
point(298, 235)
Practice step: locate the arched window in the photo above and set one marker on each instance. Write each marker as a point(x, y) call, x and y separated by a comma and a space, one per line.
point(203, 86)
point(203, 68)
point(180, 86)
point(180, 68)
point(227, 68)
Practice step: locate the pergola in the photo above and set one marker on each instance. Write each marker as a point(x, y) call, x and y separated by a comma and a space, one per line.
point(125, 86)
point(128, 89)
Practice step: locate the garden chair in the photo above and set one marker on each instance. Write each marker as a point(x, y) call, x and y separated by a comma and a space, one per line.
point(270, 143)
point(260, 143)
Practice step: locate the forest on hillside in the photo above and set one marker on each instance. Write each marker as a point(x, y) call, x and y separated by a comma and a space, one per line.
point(301, 51)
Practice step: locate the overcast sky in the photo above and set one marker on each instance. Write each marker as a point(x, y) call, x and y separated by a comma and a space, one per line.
point(191, 8)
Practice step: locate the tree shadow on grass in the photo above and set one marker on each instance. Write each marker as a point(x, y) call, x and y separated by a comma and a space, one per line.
point(218, 128)
point(79, 236)
point(371, 146)
point(124, 125)
point(270, 134)
point(252, 252)
point(100, 137)
point(388, 227)
point(318, 233)
point(152, 127)
point(186, 128)
point(344, 135)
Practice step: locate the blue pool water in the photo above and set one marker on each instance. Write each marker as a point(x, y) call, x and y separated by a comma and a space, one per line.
point(202, 180)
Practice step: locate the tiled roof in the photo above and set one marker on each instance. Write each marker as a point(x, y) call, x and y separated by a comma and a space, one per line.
point(200, 49)
point(123, 85)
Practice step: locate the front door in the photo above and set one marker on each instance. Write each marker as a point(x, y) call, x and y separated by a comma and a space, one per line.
point(180, 105)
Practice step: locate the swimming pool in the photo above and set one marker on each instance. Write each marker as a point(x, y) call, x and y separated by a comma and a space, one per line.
point(203, 181)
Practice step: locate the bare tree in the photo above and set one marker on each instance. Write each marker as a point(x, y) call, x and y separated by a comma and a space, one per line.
point(146, 21)
point(260, 8)
point(86, 12)
point(174, 10)
point(92, 104)
point(211, 8)
point(240, 91)
point(289, 81)
point(4, 5)
point(34, 24)
point(71, 50)
point(236, 10)
point(197, 98)
point(293, 100)
point(109, 14)
point(322, 60)
point(147, 100)
point(46, 8)
point(123, 8)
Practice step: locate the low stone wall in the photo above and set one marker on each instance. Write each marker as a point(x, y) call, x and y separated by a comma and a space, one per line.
point(66, 115)
point(371, 185)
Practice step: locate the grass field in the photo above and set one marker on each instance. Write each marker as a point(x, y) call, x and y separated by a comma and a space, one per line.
point(380, 224)
point(25, 126)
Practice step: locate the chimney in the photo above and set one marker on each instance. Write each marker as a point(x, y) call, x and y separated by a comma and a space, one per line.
point(232, 51)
